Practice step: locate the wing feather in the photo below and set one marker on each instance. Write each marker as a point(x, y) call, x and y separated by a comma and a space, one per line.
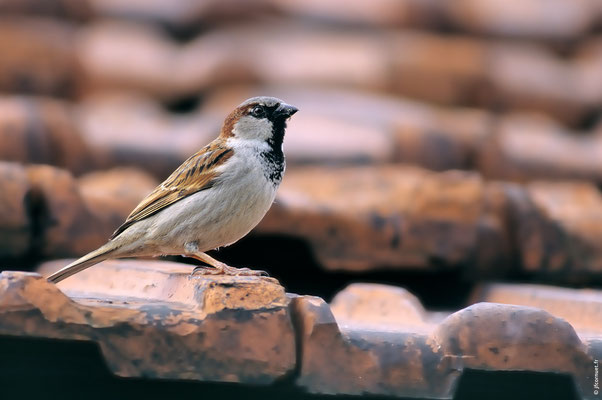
point(195, 174)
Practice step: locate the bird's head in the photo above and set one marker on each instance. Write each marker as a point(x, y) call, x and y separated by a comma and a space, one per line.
point(260, 120)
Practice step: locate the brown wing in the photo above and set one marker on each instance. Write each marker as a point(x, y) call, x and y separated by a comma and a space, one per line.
point(195, 174)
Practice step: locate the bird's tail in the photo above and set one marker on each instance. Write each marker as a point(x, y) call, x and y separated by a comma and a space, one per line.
point(102, 253)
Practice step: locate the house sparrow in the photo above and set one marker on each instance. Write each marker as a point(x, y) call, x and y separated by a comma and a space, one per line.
point(213, 199)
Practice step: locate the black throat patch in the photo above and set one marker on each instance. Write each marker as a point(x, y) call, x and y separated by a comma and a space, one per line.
point(274, 157)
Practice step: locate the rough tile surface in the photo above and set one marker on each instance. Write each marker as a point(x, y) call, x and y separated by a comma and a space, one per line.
point(157, 321)
point(378, 339)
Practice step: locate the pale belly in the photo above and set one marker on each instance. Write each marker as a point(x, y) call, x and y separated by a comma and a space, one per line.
point(212, 218)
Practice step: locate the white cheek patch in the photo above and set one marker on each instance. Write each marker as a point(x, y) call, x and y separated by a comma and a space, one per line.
point(252, 128)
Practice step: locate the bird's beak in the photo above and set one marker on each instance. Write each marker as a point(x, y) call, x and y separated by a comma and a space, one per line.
point(285, 110)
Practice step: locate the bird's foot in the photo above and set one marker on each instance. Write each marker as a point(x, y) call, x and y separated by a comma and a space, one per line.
point(224, 269)
point(219, 268)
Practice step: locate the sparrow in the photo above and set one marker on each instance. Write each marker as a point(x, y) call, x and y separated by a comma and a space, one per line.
point(212, 200)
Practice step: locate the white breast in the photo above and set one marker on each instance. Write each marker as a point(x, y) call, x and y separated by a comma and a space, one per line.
point(223, 214)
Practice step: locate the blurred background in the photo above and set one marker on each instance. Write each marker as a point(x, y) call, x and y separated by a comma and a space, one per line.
point(439, 145)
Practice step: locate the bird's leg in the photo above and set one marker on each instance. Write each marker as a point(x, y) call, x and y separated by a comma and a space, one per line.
point(220, 268)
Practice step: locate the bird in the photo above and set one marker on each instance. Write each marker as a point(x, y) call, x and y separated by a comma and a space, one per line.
point(212, 200)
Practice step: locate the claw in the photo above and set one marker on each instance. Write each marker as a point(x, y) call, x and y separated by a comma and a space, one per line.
point(227, 270)
point(202, 270)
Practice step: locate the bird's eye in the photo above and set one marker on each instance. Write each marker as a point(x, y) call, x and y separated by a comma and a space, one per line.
point(258, 112)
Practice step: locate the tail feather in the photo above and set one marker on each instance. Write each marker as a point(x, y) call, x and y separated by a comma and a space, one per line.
point(102, 253)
